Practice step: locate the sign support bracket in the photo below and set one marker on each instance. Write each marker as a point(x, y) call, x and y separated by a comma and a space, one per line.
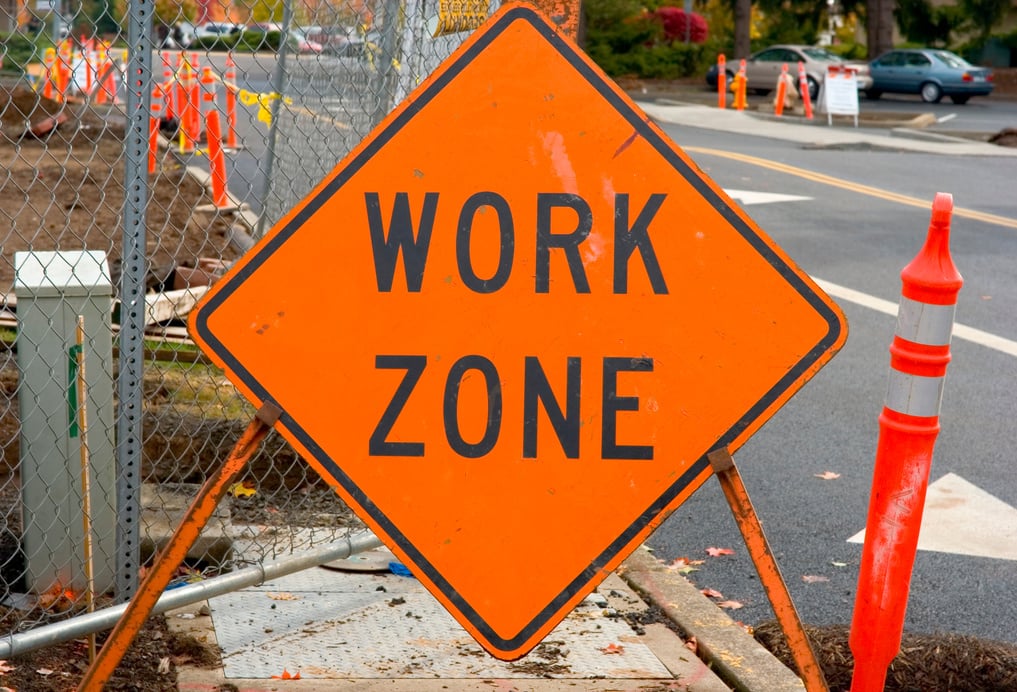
point(766, 566)
point(186, 533)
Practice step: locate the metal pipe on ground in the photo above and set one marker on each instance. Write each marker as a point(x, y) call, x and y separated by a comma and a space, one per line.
point(82, 625)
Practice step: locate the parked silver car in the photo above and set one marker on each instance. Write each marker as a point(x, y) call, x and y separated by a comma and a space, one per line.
point(762, 69)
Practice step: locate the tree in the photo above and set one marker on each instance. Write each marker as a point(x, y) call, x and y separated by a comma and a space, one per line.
point(743, 28)
point(985, 14)
point(879, 26)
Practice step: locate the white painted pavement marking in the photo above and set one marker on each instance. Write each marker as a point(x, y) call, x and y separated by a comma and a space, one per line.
point(977, 336)
point(945, 118)
point(963, 519)
point(750, 197)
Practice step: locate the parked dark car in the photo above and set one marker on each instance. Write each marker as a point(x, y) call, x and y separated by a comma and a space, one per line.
point(930, 73)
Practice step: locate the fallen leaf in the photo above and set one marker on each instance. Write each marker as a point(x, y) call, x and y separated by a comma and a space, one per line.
point(6, 667)
point(711, 593)
point(683, 565)
point(242, 489)
point(814, 578)
point(283, 597)
point(838, 564)
point(44, 671)
point(164, 665)
point(286, 676)
point(613, 649)
point(717, 552)
point(731, 605)
point(7, 689)
point(827, 475)
point(692, 644)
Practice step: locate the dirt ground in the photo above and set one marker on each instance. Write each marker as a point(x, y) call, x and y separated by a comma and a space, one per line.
point(65, 191)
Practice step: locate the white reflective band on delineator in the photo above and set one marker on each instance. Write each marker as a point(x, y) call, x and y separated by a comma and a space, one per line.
point(914, 395)
point(923, 323)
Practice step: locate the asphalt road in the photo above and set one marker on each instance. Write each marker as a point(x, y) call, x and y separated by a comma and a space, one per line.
point(862, 242)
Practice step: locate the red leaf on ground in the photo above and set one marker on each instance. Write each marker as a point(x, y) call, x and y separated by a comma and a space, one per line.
point(731, 605)
point(717, 552)
point(286, 676)
point(711, 593)
point(692, 644)
point(613, 649)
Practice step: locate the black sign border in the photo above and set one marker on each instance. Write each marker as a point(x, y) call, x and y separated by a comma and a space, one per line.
point(376, 143)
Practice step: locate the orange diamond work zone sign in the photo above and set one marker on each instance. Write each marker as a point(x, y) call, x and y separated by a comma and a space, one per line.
point(511, 324)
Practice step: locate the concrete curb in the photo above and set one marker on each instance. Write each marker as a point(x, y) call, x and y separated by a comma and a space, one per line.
point(738, 659)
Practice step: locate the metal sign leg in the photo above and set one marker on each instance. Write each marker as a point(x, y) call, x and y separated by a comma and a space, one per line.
point(197, 515)
point(769, 573)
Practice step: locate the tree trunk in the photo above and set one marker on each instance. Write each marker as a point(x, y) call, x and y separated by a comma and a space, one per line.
point(742, 20)
point(879, 28)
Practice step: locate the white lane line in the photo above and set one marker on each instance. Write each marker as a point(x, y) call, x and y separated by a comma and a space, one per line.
point(951, 116)
point(960, 331)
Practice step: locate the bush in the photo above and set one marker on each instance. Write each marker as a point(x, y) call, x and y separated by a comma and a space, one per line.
point(224, 42)
point(675, 23)
point(17, 50)
point(659, 61)
point(252, 41)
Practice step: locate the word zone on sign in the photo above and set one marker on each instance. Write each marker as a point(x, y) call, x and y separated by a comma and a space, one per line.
point(562, 226)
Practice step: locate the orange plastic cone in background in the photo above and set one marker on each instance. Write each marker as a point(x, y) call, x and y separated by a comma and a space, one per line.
point(778, 106)
point(231, 102)
point(216, 160)
point(721, 81)
point(158, 97)
point(803, 86)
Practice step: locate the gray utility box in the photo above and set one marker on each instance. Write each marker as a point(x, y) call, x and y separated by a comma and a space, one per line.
point(52, 289)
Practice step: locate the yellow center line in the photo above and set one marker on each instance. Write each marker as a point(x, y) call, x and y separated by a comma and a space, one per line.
point(853, 187)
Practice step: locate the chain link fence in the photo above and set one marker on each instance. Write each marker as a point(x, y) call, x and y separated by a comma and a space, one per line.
point(121, 200)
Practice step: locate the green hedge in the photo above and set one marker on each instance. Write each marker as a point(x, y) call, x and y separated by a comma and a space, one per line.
point(654, 61)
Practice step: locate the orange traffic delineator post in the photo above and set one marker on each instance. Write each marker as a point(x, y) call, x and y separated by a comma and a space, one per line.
point(153, 126)
point(231, 102)
point(188, 109)
point(49, 61)
point(194, 96)
point(63, 70)
point(908, 427)
point(169, 559)
point(721, 81)
point(217, 161)
point(778, 105)
point(769, 572)
point(803, 87)
point(167, 86)
point(740, 86)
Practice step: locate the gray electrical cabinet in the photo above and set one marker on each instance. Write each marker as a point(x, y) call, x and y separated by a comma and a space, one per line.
point(53, 289)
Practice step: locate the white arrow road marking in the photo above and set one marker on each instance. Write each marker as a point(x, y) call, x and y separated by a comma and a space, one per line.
point(977, 336)
point(749, 197)
point(963, 519)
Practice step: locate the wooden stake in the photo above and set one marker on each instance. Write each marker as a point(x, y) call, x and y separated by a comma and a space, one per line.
point(86, 486)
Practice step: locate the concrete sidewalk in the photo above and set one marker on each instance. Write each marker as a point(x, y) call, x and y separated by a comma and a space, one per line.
point(816, 133)
point(354, 629)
